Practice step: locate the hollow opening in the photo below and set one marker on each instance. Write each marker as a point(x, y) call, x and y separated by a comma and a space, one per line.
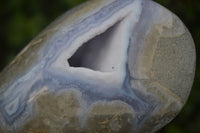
point(100, 53)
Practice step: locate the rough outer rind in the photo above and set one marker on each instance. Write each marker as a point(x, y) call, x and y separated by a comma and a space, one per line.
point(114, 117)
point(165, 67)
point(166, 54)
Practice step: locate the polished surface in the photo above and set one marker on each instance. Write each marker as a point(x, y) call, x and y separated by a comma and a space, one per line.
point(106, 66)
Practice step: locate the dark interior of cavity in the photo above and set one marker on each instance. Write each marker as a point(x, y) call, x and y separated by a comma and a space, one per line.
point(93, 53)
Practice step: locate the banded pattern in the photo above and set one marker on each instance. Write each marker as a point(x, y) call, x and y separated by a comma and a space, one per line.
point(105, 66)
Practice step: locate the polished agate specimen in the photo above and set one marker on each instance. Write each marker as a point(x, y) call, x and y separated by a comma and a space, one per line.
point(107, 66)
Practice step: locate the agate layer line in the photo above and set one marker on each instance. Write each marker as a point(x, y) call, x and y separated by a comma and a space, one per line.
point(16, 107)
point(105, 66)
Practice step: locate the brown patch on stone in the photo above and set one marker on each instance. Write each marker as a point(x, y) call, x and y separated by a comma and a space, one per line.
point(1, 131)
point(34, 126)
point(36, 131)
point(149, 51)
point(74, 129)
point(156, 121)
point(111, 117)
point(54, 112)
point(62, 106)
point(107, 123)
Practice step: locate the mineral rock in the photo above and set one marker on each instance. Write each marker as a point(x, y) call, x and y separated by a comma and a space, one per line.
point(106, 66)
